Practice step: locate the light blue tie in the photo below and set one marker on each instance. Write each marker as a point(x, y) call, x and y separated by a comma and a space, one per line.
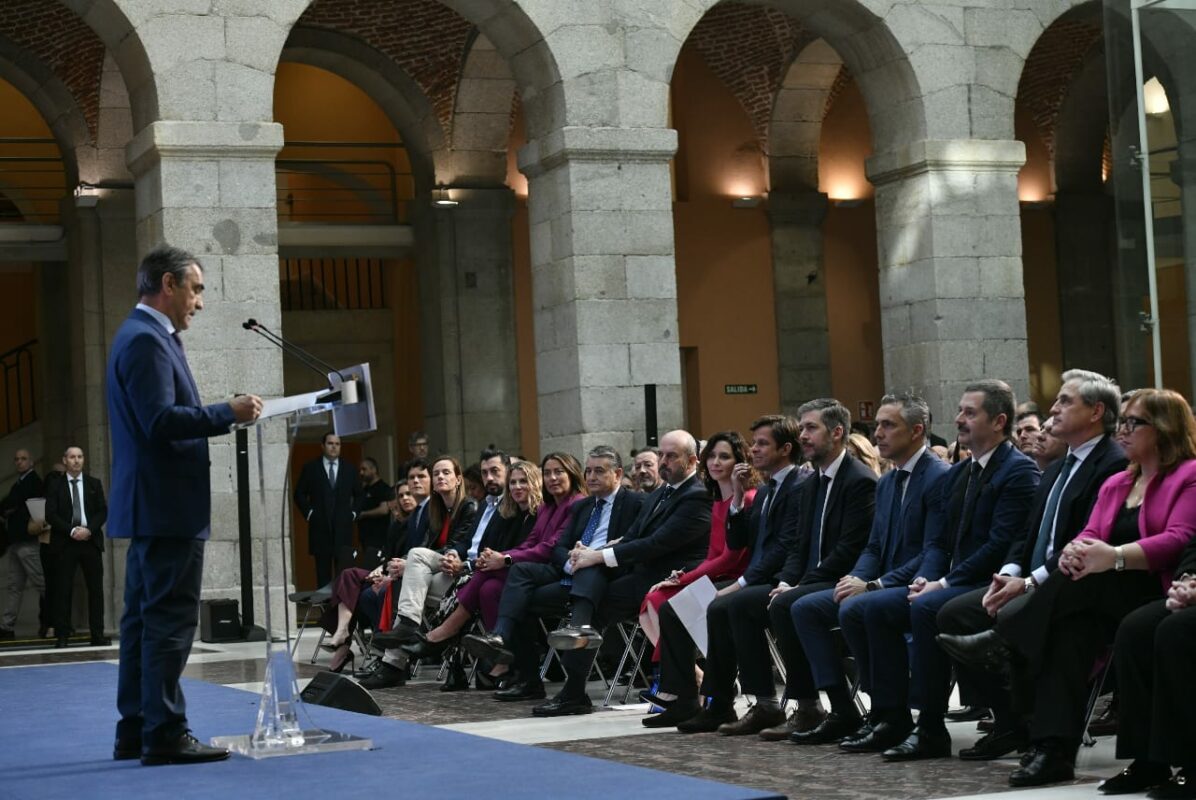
point(1047, 528)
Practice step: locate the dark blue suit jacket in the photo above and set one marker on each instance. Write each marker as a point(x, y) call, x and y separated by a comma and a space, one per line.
point(160, 467)
point(969, 556)
point(894, 543)
point(780, 529)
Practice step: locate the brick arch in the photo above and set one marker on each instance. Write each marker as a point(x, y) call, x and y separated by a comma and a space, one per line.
point(399, 96)
point(796, 124)
point(873, 54)
point(111, 25)
point(433, 52)
point(54, 101)
point(481, 125)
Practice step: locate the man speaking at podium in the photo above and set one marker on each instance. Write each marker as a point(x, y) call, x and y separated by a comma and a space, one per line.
point(161, 502)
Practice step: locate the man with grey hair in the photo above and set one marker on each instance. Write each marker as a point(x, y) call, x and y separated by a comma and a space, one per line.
point(1083, 416)
point(671, 532)
point(535, 590)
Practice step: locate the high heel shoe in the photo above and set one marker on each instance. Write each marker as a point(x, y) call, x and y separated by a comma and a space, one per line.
point(329, 647)
point(423, 649)
point(344, 656)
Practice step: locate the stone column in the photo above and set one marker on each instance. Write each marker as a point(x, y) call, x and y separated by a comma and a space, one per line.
point(949, 246)
point(208, 187)
point(604, 284)
point(799, 281)
point(1084, 225)
point(470, 379)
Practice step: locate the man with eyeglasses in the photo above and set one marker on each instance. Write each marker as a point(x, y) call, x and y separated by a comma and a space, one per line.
point(1083, 417)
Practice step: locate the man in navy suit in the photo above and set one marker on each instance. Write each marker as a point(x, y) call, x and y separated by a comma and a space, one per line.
point(161, 502)
point(328, 494)
point(898, 528)
point(985, 500)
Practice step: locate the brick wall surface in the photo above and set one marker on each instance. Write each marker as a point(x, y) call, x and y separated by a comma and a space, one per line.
point(749, 48)
point(1050, 69)
point(64, 43)
point(428, 40)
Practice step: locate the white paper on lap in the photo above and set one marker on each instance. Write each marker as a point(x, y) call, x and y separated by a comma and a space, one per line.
point(690, 606)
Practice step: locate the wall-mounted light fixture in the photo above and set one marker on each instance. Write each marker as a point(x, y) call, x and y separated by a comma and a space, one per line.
point(442, 198)
point(746, 201)
point(847, 202)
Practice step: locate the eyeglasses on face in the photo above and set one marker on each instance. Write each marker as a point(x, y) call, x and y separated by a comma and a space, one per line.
point(1131, 424)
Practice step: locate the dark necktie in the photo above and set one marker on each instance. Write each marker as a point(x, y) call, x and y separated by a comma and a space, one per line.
point(762, 524)
point(965, 513)
point(824, 482)
point(664, 498)
point(893, 532)
point(587, 536)
point(332, 473)
point(77, 502)
point(1046, 529)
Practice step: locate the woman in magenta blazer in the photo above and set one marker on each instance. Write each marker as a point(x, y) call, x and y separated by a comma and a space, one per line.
point(1123, 559)
point(563, 486)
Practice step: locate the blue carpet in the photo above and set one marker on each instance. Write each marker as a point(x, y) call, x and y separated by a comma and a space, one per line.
point(56, 729)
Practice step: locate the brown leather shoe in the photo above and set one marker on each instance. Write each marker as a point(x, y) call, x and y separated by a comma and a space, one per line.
point(800, 721)
point(755, 720)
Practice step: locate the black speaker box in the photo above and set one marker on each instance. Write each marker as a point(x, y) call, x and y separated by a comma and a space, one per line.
point(219, 621)
point(337, 691)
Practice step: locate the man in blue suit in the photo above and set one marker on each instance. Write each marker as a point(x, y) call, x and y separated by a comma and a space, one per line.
point(984, 502)
point(161, 502)
point(902, 511)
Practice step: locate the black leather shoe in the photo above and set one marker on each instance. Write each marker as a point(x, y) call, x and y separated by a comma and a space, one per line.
point(995, 745)
point(1137, 777)
point(1182, 786)
point(985, 649)
point(969, 714)
point(1045, 767)
point(523, 690)
point(184, 750)
point(836, 726)
point(708, 720)
point(920, 744)
point(406, 633)
point(564, 706)
point(677, 712)
point(881, 737)
point(387, 676)
point(126, 749)
point(457, 681)
point(61, 642)
point(571, 637)
point(489, 646)
point(424, 650)
point(648, 697)
point(100, 641)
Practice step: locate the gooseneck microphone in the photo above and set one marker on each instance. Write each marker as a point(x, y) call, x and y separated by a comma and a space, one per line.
point(320, 367)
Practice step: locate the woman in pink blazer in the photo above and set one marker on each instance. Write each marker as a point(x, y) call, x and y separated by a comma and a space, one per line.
point(1123, 559)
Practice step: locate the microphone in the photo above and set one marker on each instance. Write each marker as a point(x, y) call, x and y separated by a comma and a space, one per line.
point(307, 359)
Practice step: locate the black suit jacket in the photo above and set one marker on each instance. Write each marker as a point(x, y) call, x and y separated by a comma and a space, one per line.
point(623, 513)
point(1075, 506)
point(846, 524)
point(780, 527)
point(60, 509)
point(668, 535)
point(508, 534)
point(460, 528)
point(17, 513)
point(494, 526)
point(329, 510)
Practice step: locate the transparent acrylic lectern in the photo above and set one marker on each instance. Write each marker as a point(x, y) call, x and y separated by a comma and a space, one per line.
point(284, 727)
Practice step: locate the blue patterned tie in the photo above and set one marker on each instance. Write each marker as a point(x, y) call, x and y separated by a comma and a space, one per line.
point(587, 536)
point(1047, 528)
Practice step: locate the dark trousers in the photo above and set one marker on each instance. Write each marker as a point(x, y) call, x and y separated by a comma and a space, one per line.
point(47, 610)
point(162, 583)
point(678, 653)
point(1061, 631)
point(1154, 653)
point(815, 618)
point(329, 565)
point(68, 557)
point(532, 591)
point(965, 615)
point(617, 595)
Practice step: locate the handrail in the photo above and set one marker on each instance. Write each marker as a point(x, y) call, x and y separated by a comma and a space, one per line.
point(340, 194)
point(18, 367)
point(33, 177)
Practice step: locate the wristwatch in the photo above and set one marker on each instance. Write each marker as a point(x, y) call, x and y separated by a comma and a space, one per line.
point(1031, 584)
point(508, 560)
point(1118, 559)
point(873, 585)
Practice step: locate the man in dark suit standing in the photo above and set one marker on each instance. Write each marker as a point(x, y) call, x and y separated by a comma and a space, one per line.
point(774, 451)
point(328, 494)
point(161, 501)
point(986, 499)
point(23, 555)
point(608, 585)
point(76, 511)
point(834, 517)
point(1084, 416)
point(898, 529)
point(536, 590)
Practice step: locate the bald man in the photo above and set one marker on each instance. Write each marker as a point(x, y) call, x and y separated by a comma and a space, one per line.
point(671, 532)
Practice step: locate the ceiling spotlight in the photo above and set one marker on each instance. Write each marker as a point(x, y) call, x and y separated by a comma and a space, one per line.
point(746, 201)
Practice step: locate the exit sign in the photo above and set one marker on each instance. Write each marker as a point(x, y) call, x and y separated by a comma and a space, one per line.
point(739, 388)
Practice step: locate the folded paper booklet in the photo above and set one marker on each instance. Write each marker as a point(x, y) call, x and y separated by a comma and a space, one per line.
point(37, 508)
point(690, 605)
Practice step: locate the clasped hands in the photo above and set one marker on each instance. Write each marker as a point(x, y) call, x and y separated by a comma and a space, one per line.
point(1182, 594)
point(392, 570)
point(451, 564)
point(1086, 557)
point(490, 560)
point(80, 534)
point(582, 557)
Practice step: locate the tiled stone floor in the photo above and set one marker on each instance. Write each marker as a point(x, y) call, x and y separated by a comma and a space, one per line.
point(616, 734)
